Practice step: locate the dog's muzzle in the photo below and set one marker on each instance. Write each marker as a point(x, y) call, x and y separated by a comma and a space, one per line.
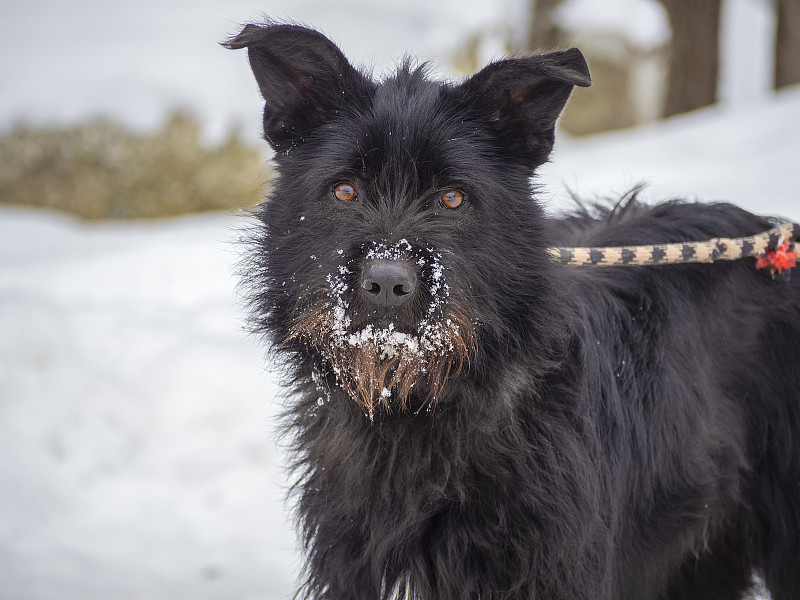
point(387, 329)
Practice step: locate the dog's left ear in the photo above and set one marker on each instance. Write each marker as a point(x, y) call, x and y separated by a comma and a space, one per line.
point(521, 98)
point(302, 76)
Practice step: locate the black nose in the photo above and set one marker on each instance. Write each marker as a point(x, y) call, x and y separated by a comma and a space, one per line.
point(388, 282)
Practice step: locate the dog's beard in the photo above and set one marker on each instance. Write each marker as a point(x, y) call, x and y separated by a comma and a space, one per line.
point(381, 366)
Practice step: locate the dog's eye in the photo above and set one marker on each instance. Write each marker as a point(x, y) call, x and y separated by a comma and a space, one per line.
point(345, 192)
point(452, 199)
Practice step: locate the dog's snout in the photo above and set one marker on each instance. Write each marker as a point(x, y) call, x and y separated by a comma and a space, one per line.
point(388, 282)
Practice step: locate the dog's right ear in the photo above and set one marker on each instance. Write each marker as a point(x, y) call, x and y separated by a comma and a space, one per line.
point(302, 76)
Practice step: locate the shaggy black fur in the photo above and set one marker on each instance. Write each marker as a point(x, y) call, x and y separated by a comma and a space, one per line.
point(617, 433)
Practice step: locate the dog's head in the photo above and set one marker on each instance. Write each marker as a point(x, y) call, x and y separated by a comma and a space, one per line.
point(401, 231)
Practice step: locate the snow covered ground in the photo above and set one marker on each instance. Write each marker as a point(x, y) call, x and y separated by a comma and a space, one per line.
point(746, 155)
point(135, 416)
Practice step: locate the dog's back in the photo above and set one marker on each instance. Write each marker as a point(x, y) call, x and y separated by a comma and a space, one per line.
point(700, 360)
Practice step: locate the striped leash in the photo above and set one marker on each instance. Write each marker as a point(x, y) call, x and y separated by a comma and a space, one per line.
point(773, 249)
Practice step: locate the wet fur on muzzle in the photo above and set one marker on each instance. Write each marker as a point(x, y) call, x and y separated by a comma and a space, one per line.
point(381, 365)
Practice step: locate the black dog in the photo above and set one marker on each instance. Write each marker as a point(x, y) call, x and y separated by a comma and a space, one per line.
point(474, 420)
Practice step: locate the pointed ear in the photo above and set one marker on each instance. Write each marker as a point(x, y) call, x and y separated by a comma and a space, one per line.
point(302, 76)
point(521, 98)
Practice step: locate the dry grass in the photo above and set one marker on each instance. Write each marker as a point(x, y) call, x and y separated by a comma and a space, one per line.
point(98, 169)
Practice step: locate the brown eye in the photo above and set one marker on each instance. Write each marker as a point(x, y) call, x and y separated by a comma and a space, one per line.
point(452, 199)
point(344, 192)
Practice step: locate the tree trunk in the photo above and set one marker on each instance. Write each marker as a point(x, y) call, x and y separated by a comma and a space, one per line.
point(787, 44)
point(694, 54)
point(542, 32)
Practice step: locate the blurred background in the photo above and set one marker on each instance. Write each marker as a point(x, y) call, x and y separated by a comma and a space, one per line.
point(136, 417)
point(133, 110)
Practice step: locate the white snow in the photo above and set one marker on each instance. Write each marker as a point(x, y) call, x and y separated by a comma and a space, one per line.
point(136, 421)
point(134, 417)
point(642, 22)
point(746, 155)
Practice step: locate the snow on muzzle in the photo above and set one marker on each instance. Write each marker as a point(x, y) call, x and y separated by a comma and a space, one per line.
point(377, 362)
